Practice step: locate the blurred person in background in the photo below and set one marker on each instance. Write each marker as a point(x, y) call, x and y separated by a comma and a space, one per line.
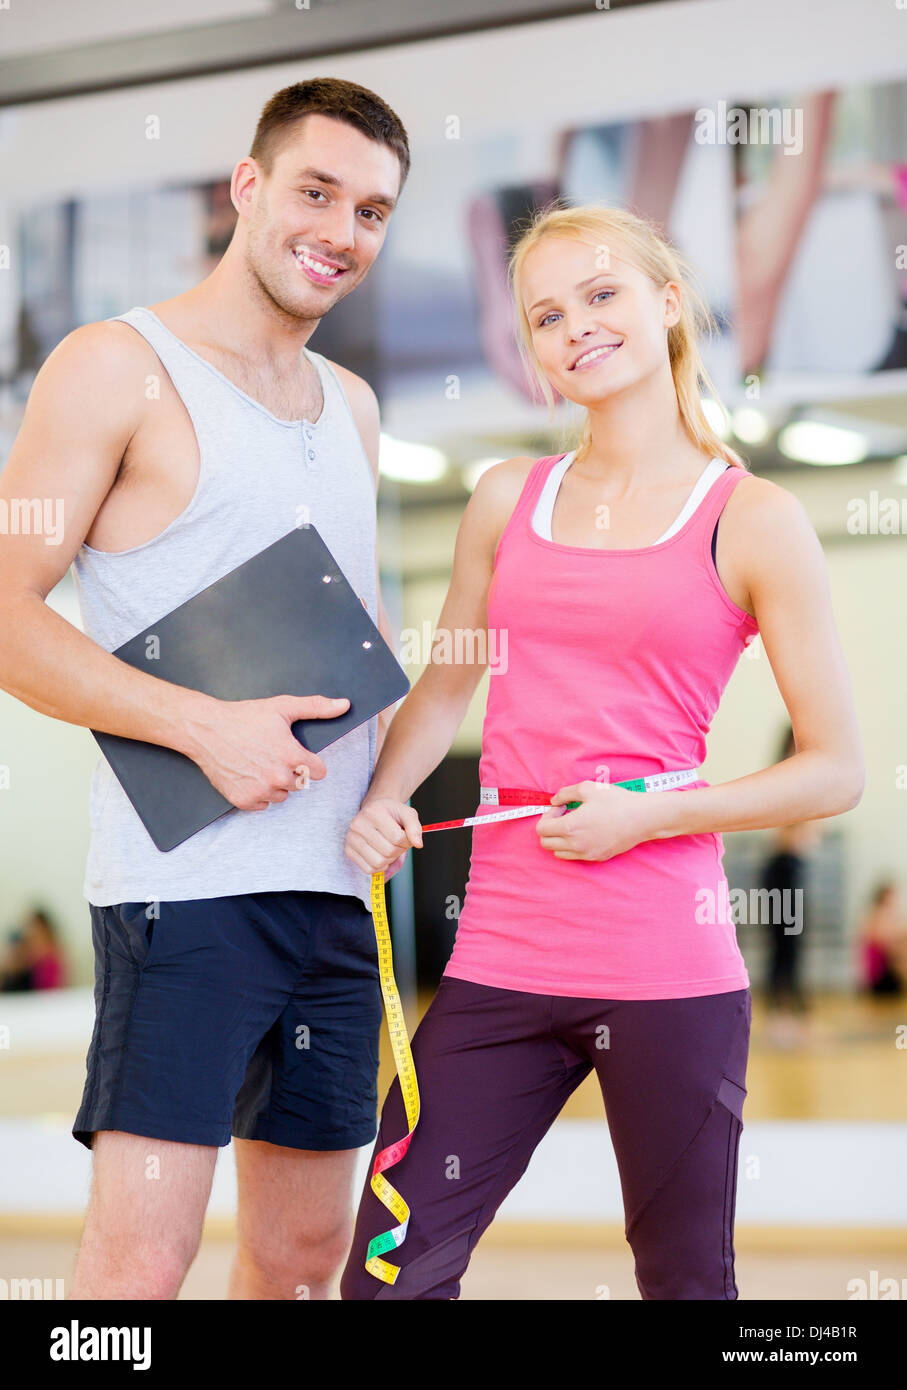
point(883, 942)
point(786, 870)
point(15, 975)
point(35, 959)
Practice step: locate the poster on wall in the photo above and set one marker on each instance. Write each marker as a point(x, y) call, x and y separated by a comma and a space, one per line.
point(766, 201)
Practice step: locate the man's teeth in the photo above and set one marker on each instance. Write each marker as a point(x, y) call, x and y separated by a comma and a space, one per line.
point(318, 266)
point(596, 352)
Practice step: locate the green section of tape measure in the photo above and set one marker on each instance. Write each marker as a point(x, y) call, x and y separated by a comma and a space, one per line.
point(635, 784)
point(381, 1244)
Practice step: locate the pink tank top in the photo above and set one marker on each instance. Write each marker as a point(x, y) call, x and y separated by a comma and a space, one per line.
point(616, 659)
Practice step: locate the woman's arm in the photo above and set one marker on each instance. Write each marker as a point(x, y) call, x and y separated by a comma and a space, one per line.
point(777, 555)
point(424, 726)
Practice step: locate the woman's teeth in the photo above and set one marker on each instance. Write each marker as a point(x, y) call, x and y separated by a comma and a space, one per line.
point(592, 356)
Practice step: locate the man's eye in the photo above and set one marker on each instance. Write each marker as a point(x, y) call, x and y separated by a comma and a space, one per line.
point(373, 215)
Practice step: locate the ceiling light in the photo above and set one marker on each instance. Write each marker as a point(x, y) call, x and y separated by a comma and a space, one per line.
point(410, 463)
point(750, 425)
point(810, 441)
point(716, 416)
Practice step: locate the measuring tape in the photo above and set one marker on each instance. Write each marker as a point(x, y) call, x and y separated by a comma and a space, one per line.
point(522, 803)
point(532, 803)
point(406, 1072)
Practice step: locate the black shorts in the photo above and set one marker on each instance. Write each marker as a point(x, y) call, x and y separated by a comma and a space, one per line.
point(256, 1015)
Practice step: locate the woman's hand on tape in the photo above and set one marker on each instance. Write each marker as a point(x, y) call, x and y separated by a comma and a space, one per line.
point(381, 834)
point(610, 821)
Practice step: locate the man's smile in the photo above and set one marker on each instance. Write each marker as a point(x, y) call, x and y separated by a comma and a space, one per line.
point(318, 270)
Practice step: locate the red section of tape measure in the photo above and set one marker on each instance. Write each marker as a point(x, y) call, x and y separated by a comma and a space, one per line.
point(506, 796)
point(518, 796)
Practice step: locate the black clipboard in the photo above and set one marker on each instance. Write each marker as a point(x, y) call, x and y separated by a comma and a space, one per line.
point(285, 622)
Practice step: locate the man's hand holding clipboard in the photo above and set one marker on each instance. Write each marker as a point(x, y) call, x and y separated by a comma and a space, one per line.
point(286, 620)
point(246, 749)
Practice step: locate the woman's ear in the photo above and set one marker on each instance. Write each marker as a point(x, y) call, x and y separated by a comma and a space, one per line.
point(673, 304)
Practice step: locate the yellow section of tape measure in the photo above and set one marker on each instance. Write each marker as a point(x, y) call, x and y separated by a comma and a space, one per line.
point(406, 1074)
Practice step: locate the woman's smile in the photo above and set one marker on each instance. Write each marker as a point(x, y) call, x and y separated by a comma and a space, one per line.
point(592, 357)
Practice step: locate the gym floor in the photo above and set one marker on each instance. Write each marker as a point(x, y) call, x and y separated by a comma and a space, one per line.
point(840, 1064)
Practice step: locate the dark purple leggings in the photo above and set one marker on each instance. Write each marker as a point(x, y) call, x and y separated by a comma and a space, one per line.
point(495, 1068)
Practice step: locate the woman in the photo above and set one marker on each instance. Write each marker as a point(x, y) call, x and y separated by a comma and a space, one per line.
point(598, 937)
point(883, 942)
point(785, 874)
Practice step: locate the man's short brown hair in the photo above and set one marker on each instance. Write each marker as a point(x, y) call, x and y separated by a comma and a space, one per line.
point(328, 96)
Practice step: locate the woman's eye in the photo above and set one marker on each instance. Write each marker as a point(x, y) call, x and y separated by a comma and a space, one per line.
point(542, 323)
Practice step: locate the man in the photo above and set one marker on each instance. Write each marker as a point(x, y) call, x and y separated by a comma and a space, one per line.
point(236, 976)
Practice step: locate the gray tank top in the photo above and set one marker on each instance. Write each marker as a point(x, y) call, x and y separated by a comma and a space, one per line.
point(259, 477)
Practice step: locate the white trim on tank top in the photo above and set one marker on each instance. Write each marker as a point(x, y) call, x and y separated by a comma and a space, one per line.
point(544, 507)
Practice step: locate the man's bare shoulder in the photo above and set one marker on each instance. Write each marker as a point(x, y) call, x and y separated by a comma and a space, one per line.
point(361, 398)
point(100, 359)
point(363, 404)
point(355, 386)
point(94, 378)
point(106, 342)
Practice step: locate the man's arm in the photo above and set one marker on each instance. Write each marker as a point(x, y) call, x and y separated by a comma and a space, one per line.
point(84, 408)
point(366, 413)
point(85, 405)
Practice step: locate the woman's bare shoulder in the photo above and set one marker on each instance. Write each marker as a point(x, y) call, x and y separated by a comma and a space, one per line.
point(492, 502)
point(499, 487)
point(502, 478)
point(768, 542)
point(758, 499)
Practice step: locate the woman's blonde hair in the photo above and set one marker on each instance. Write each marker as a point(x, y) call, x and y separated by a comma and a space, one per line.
point(646, 248)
